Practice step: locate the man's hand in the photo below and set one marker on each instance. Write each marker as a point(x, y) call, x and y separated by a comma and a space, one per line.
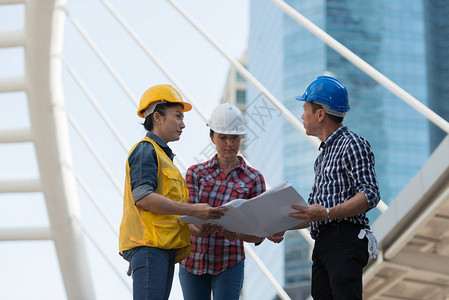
point(314, 212)
point(203, 230)
point(277, 237)
point(205, 211)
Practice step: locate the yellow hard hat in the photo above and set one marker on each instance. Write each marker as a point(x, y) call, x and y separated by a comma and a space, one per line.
point(159, 93)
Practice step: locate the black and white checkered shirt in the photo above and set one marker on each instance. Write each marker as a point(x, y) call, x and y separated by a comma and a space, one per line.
point(344, 168)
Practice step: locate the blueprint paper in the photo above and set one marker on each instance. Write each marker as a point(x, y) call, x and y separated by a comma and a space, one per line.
point(262, 216)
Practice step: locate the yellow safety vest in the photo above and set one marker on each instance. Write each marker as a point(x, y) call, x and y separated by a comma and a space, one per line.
point(142, 227)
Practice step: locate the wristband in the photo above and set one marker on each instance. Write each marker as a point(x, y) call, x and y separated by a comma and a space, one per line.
point(328, 216)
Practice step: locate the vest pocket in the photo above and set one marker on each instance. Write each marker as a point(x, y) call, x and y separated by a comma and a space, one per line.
point(172, 184)
point(168, 234)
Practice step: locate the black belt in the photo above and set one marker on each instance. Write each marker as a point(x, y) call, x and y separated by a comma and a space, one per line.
point(325, 227)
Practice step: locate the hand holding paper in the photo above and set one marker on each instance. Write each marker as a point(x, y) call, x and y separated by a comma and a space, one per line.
point(262, 216)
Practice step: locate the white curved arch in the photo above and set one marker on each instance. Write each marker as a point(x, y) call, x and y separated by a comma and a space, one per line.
point(44, 30)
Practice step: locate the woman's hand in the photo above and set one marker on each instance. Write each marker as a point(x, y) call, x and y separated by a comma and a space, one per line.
point(229, 235)
point(204, 211)
point(232, 236)
point(277, 237)
point(203, 230)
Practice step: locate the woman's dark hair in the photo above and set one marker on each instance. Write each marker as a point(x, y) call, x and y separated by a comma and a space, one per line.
point(160, 108)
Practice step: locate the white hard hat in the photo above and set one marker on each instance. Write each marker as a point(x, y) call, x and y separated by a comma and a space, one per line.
point(227, 119)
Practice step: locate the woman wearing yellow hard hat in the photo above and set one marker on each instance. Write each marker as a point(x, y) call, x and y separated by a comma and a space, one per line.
point(151, 237)
point(216, 264)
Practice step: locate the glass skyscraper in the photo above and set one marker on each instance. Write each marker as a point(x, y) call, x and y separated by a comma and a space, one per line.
point(265, 124)
point(436, 15)
point(285, 57)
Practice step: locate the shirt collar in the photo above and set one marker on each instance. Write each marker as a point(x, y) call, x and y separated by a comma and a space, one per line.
point(157, 139)
point(161, 143)
point(322, 146)
point(333, 136)
point(213, 163)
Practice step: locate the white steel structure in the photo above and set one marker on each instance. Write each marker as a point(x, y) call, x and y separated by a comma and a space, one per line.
point(404, 267)
point(49, 127)
point(414, 238)
point(42, 39)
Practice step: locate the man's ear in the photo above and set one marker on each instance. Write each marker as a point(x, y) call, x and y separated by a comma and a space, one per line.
point(321, 114)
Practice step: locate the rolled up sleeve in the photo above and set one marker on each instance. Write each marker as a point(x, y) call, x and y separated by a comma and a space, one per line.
point(193, 185)
point(143, 170)
point(360, 160)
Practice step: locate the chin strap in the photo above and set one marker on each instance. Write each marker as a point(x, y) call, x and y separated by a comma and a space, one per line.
point(372, 242)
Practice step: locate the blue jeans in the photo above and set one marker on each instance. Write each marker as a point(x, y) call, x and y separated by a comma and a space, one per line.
point(225, 286)
point(152, 270)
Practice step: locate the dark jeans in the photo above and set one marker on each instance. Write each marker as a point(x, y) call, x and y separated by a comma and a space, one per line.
point(152, 270)
point(339, 257)
point(225, 286)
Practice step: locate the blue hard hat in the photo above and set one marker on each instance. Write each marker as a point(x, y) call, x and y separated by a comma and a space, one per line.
point(329, 91)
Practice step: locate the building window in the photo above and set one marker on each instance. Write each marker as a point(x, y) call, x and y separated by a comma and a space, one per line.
point(240, 77)
point(240, 97)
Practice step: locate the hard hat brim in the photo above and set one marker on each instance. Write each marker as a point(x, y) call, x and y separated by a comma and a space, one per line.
point(301, 98)
point(186, 107)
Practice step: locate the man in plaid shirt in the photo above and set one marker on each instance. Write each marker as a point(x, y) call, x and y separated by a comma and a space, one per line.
point(345, 189)
point(216, 262)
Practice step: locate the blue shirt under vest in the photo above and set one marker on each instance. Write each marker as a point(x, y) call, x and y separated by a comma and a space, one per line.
point(143, 166)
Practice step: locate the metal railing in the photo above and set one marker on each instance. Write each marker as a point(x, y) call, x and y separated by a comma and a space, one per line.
point(15, 38)
point(364, 66)
point(123, 85)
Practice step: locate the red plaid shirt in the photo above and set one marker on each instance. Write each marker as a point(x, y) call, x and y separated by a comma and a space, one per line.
point(206, 182)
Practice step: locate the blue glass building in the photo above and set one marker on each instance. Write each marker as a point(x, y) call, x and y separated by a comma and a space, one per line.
point(285, 57)
point(436, 13)
point(265, 124)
